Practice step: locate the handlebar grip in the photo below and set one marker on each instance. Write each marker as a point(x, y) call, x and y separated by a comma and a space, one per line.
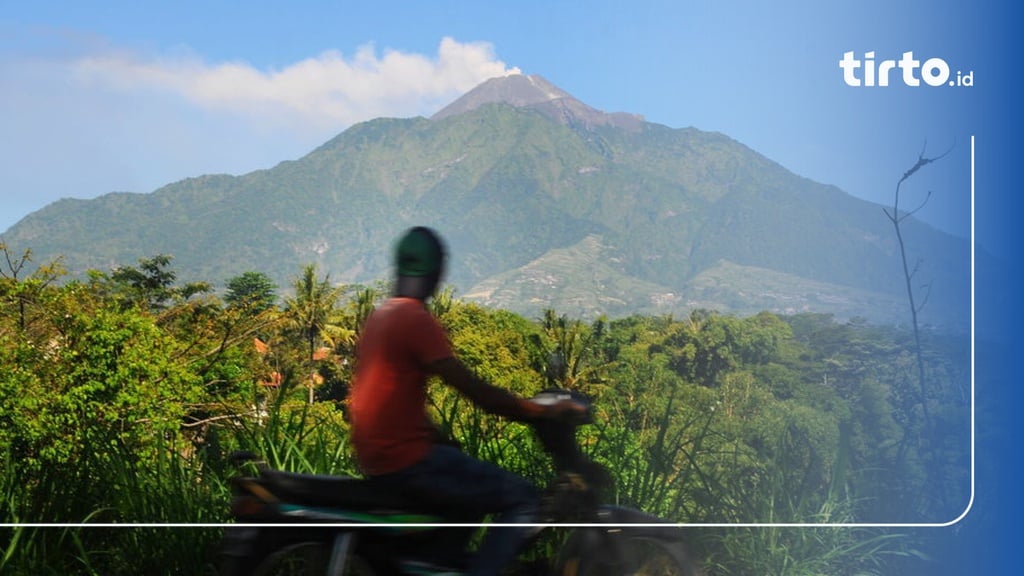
point(548, 398)
point(554, 396)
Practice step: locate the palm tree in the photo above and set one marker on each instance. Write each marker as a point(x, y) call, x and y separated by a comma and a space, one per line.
point(313, 312)
point(362, 305)
point(572, 361)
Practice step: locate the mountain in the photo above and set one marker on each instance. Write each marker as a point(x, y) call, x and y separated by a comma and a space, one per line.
point(544, 201)
point(536, 93)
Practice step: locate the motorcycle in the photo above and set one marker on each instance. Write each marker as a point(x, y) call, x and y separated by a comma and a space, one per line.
point(290, 523)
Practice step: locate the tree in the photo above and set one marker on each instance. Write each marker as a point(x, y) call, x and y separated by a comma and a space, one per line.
point(572, 361)
point(908, 274)
point(23, 292)
point(252, 290)
point(313, 313)
point(150, 286)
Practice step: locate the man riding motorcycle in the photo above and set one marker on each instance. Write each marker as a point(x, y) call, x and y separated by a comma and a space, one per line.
point(396, 445)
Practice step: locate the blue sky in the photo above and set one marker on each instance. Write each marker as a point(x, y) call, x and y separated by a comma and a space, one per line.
point(129, 96)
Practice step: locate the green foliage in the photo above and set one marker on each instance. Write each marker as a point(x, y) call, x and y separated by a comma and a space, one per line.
point(120, 398)
point(150, 285)
point(497, 346)
point(313, 314)
point(251, 290)
point(810, 551)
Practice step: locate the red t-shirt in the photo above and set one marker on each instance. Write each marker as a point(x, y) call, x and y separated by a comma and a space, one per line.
point(390, 427)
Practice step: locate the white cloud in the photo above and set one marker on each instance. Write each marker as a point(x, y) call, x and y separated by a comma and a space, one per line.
point(328, 88)
point(109, 118)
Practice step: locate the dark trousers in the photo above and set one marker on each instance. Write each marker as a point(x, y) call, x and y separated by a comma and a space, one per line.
point(465, 490)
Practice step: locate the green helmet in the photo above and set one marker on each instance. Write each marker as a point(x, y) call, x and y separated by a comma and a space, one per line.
point(419, 253)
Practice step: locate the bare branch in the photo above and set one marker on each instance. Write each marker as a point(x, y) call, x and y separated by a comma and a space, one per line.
point(917, 267)
point(195, 423)
point(14, 266)
point(897, 218)
point(927, 288)
point(921, 205)
point(922, 161)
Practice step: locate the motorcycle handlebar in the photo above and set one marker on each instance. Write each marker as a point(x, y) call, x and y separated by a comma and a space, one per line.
point(579, 413)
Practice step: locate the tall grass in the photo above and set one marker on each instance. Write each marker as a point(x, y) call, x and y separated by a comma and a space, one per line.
point(656, 470)
point(833, 549)
point(825, 551)
point(296, 436)
point(78, 509)
point(169, 486)
point(807, 551)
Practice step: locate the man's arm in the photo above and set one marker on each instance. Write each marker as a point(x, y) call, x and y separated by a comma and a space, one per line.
point(491, 398)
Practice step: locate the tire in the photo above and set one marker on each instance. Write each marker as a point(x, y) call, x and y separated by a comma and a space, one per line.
point(588, 552)
point(278, 553)
point(297, 559)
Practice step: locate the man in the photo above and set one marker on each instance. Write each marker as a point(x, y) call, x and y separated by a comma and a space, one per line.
point(397, 445)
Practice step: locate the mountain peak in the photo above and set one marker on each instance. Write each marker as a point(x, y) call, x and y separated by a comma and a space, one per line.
point(519, 90)
point(533, 91)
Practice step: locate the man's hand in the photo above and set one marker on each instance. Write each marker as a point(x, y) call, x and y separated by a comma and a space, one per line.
point(567, 409)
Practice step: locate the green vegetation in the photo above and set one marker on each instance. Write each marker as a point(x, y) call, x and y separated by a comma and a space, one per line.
point(122, 392)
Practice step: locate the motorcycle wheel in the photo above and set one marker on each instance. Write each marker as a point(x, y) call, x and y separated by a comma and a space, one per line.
point(278, 553)
point(586, 554)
